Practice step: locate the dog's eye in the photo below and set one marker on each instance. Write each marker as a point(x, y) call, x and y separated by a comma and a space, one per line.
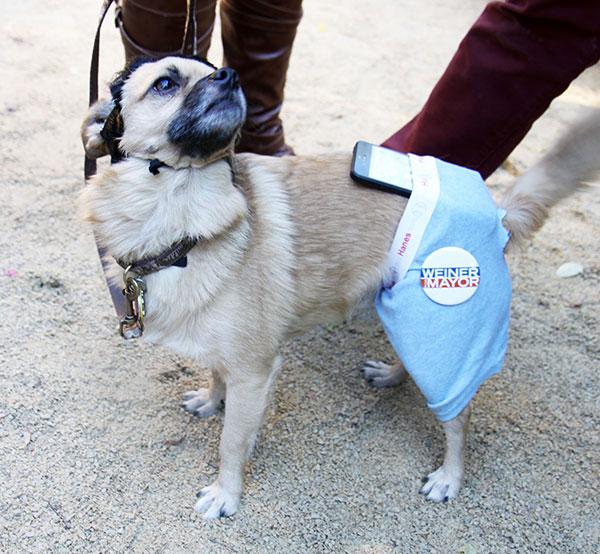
point(164, 84)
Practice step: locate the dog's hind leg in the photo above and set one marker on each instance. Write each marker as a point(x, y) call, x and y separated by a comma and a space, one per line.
point(382, 375)
point(205, 402)
point(444, 483)
point(247, 396)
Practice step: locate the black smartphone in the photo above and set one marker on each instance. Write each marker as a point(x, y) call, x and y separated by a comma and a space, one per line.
point(381, 168)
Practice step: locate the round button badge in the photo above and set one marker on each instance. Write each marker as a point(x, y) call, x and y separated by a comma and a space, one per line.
point(450, 276)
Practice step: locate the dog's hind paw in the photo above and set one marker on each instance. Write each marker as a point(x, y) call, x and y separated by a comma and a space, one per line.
point(381, 375)
point(214, 502)
point(202, 402)
point(441, 485)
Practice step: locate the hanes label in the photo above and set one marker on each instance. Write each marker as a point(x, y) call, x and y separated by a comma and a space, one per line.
point(418, 212)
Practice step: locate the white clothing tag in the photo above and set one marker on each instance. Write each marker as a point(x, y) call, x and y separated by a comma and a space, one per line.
point(416, 216)
point(450, 275)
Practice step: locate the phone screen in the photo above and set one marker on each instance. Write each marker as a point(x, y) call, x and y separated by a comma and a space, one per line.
point(381, 168)
point(388, 166)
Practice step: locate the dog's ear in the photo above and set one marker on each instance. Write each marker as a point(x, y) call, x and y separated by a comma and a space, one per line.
point(119, 80)
point(112, 132)
point(116, 85)
point(103, 128)
point(91, 129)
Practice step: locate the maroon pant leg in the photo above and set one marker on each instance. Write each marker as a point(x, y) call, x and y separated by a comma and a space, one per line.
point(518, 56)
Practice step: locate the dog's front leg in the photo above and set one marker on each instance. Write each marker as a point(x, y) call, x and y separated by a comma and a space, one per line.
point(247, 396)
point(444, 483)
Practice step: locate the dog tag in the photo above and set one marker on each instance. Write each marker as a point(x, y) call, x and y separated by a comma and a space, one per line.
point(450, 276)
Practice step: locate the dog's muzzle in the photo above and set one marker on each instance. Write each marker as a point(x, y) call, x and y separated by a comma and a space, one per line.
point(211, 115)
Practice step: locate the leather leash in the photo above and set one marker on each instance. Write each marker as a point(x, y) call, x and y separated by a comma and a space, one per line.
point(116, 292)
point(118, 295)
point(191, 30)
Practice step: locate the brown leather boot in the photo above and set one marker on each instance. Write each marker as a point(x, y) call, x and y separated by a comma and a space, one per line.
point(155, 28)
point(257, 42)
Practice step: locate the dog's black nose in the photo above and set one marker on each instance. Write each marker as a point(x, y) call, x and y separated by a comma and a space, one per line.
point(226, 76)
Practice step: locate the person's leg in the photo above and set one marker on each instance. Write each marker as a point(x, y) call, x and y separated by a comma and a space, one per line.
point(257, 42)
point(155, 28)
point(518, 56)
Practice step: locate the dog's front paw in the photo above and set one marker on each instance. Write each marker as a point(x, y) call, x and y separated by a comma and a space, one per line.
point(381, 375)
point(202, 402)
point(441, 485)
point(214, 501)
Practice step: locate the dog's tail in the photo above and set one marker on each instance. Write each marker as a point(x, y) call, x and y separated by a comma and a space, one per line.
point(574, 160)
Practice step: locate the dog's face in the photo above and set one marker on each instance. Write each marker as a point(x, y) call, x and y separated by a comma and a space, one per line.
point(179, 110)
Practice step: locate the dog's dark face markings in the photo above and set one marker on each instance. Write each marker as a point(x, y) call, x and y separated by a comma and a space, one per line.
point(178, 108)
point(212, 113)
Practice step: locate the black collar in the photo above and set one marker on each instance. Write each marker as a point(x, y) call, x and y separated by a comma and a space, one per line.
point(174, 255)
point(155, 164)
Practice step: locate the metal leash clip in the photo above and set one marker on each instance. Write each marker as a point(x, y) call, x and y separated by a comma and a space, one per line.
point(132, 324)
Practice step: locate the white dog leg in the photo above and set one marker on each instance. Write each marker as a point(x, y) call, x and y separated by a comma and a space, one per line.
point(444, 483)
point(381, 375)
point(206, 401)
point(247, 398)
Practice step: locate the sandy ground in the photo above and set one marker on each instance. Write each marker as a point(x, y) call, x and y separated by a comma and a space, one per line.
point(97, 456)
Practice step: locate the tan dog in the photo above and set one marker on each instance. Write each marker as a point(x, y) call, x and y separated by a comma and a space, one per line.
point(285, 244)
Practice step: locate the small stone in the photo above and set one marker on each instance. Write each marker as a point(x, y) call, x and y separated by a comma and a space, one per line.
point(569, 269)
point(25, 438)
point(174, 442)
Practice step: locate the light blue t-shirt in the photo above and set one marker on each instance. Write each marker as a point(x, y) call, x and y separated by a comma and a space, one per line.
point(450, 350)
